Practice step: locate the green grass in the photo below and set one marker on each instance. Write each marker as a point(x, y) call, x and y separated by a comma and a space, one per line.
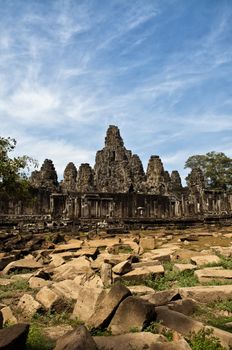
point(158, 328)
point(171, 279)
point(226, 263)
point(203, 340)
point(37, 341)
point(10, 290)
point(210, 314)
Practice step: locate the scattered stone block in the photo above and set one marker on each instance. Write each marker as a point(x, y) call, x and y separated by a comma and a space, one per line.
point(142, 273)
point(106, 308)
point(50, 300)
point(36, 282)
point(87, 300)
point(22, 264)
point(205, 259)
point(132, 313)
point(163, 297)
point(14, 337)
point(106, 274)
point(122, 268)
point(174, 345)
point(212, 274)
point(206, 294)
point(141, 340)
point(28, 306)
point(8, 316)
point(141, 290)
point(184, 267)
point(148, 242)
point(78, 339)
point(71, 269)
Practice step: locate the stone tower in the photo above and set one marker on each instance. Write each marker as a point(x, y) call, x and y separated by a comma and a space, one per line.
point(46, 177)
point(112, 165)
point(157, 178)
point(176, 181)
point(70, 178)
point(85, 178)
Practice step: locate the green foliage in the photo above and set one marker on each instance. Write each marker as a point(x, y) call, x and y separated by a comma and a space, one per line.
point(170, 279)
point(100, 332)
point(37, 341)
point(158, 328)
point(134, 330)
point(224, 305)
point(13, 177)
point(216, 168)
point(205, 340)
point(12, 289)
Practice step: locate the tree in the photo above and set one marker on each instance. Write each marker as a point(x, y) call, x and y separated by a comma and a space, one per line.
point(216, 168)
point(13, 176)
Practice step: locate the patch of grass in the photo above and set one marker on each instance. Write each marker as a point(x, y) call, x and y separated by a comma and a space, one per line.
point(225, 305)
point(10, 290)
point(226, 263)
point(125, 250)
point(134, 330)
point(55, 318)
point(203, 340)
point(171, 279)
point(208, 314)
point(158, 328)
point(100, 333)
point(37, 341)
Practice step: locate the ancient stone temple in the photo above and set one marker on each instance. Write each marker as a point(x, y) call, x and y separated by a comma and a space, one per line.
point(46, 177)
point(117, 188)
point(113, 167)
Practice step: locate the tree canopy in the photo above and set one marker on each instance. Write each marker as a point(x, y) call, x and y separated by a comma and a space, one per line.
point(216, 168)
point(13, 177)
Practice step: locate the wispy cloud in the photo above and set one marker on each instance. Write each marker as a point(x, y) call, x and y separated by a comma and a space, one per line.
point(157, 69)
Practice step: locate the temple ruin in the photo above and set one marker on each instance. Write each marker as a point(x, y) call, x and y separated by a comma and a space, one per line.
point(118, 188)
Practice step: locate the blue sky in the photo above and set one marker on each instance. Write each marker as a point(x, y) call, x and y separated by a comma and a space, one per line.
point(159, 69)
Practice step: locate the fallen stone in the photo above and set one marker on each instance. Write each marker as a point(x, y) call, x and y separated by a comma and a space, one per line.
point(107, 307)
point(159, 254)
point(78, 339)
point(50, 300)
point(186, 325)
point(129, 341)
point(148, 243)
point(205, 259)
point(14, 337)
point(68, 247)
point(142, 273)
point(8, 316)
point(184, 306)
point(132, 313)
point(28, 306)
point(163, 297)
point(206, 294)
point(90, 281)
point(122, 268)
point(36, 282)
point(72, 268)
point(208, 275)
point(141, 290)
point(55, 332)
point(184, 267)
point(224, 251)
point(66, 288)
point(22, 276)
point(22, 264)
point(174, 345)
point(87, 300)
point(106, 274)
